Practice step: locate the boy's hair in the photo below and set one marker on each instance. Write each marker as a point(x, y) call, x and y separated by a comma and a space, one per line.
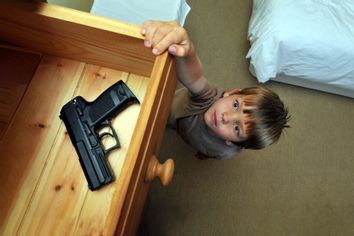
point(267, 117)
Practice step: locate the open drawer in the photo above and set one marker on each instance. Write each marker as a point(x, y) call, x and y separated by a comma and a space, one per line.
point(48, 55)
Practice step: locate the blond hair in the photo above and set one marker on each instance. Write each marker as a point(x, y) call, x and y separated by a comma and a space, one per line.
point(267, 117)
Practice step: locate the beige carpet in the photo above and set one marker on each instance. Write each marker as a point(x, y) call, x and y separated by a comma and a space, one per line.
point(303, 185)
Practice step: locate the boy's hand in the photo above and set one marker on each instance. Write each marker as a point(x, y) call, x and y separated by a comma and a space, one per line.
point(162, 36)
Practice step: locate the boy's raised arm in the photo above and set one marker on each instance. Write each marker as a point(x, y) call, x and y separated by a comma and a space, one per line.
point(162, 36)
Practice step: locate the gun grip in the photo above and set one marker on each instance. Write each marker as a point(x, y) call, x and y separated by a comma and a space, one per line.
point(114, 99)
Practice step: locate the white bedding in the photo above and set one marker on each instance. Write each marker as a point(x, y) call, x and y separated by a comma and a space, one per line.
point(309, 39)
point(138, 11)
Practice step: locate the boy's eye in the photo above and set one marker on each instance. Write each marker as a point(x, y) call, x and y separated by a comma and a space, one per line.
point(236, 105)
point(237, 130)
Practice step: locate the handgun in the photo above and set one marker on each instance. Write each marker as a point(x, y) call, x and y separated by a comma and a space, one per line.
point(84, 121)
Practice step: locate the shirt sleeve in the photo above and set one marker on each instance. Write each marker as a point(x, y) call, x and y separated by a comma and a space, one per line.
point(186, 103)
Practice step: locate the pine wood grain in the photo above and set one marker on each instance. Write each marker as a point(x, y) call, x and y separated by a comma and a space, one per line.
point(17, 68)
point(76, 35)
point(25, 147)
point(61, 186)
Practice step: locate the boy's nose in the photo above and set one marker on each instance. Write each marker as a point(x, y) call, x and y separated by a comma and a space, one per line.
point(228, 117)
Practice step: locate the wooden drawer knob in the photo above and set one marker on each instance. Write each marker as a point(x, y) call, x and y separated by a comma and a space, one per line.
point(163, 171)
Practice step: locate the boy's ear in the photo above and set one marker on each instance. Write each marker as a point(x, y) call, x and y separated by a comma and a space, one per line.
point(233, 91)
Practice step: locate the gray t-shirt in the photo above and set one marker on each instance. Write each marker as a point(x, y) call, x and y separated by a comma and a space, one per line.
point(187, 116)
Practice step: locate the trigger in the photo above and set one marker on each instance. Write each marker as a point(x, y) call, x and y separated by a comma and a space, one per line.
point(104, 134)
point(114, 136)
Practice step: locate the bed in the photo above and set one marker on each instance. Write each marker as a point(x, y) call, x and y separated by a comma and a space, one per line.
point(309, 43)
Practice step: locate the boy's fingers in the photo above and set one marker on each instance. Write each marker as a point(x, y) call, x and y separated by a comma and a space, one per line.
point(178, 50)
point(163, 44)
point(149, 34)
point(149, 29)
point(176, 41)
point(161, 37)
point(145, 26)
point(174, 47)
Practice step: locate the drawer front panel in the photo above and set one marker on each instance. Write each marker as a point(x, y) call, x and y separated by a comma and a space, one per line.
point(138, 188)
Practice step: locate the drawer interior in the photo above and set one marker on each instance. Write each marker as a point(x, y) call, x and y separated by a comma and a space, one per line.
point(48, 55)
point(34, 142)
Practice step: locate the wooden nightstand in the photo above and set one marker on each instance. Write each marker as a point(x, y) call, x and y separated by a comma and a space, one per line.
point(65, 53)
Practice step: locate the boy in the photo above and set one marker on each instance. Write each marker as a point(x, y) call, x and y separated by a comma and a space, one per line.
point(218, 124)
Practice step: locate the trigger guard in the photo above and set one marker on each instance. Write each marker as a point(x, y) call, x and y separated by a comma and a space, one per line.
point(106, 122)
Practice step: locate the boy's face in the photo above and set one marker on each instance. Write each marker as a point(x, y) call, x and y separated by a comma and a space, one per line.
point(226, 118)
